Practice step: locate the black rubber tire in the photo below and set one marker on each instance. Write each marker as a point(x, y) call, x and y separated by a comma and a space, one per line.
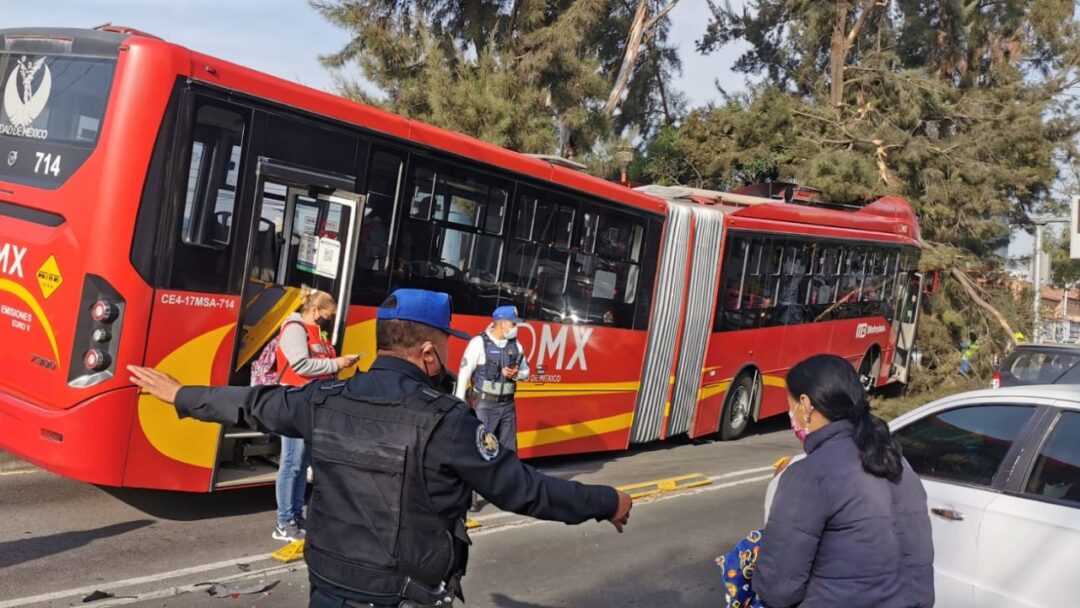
point(867, 375)
point(738, 407)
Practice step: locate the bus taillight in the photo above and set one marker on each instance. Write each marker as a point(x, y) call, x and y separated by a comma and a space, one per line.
point(97, 335)
point(103, 311)
point(95, 360)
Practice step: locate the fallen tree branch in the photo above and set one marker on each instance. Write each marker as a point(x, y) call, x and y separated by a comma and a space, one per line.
point(969, 287)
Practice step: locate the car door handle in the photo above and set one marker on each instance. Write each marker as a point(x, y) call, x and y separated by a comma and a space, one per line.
point(949, 514)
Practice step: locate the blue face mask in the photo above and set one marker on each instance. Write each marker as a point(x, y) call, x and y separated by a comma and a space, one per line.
point(511, 333)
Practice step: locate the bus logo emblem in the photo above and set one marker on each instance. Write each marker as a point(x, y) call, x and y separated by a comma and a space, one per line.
point(23, 107)
point(12, 157)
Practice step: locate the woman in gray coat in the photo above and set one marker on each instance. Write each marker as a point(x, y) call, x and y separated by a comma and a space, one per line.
point(849, 523)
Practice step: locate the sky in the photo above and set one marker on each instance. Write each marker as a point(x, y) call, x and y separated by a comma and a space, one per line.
point(285, 38)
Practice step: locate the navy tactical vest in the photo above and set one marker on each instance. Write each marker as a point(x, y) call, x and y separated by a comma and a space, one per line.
point(373, 528)
point(488, 381)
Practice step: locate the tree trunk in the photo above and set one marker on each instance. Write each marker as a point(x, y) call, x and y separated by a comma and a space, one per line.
point(633, 49)
point(843, 41)
point(838, 51)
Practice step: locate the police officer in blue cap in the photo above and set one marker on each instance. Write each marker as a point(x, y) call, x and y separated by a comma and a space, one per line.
point(395, 463)
point(494, 362)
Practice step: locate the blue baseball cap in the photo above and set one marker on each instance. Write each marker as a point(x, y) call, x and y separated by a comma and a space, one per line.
point(431, 308)
point(506, 313)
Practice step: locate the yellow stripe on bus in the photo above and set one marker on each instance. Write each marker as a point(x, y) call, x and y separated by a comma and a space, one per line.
point(566, 432)
point(184, 439)
point(576, 389)
point(23, 294)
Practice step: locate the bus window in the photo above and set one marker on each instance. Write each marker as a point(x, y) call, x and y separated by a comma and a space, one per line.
point(602, 287)
point(535, 270)
point(451, 240)
point(212, 175)
point(372, 275)
point(202, 260)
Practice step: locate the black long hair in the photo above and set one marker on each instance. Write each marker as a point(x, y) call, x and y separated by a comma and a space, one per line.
point(834, 389)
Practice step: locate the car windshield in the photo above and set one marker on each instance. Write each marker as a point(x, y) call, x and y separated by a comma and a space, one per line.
point(1042, 367)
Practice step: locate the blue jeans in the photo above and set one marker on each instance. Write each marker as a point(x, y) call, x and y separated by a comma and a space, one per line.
point(291, 480)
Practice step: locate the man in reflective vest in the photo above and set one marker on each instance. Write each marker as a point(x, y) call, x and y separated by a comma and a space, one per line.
point(494, 362)
point(395, 463)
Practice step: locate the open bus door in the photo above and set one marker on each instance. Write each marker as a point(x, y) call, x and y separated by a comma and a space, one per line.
point(904, 324)
point(305, 235)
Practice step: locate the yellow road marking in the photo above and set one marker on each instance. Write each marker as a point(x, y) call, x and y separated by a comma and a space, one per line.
point(661, 486)
point(19, 472)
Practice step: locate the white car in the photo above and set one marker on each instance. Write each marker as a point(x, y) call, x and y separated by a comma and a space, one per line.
point(1002, 475)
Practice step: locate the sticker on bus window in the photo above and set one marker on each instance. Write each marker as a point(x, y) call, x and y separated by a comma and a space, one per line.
point(305, 255)
point(327, 257)
point(604, 285)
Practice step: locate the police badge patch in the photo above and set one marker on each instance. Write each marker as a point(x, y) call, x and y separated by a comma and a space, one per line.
point(486, 443)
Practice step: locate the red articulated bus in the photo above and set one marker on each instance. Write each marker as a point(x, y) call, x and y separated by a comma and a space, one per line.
point(162, 207)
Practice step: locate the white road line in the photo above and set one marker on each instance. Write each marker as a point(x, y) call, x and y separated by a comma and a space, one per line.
point(503, 514)
point(181, 589)
point(116, 585)
point(152, 578)
point(18, 472)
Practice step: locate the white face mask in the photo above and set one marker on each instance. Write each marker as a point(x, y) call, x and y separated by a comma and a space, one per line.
point(511, 333)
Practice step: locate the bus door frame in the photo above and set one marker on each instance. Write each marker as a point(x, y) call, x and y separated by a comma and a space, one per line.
point(905, 330)
point(327, 187)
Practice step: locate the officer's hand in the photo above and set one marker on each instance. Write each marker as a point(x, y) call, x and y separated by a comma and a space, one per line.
point(163, 386)
point(622, 514)
point(510, 372)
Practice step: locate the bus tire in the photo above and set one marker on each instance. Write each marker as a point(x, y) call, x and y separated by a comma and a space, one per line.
point(870, 368)
point(738, 407)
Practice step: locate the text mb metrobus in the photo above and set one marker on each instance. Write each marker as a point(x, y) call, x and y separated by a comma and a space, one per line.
point(161, 207)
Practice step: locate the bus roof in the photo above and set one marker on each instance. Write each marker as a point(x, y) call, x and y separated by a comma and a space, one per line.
point(887, 215)
point(221, 73)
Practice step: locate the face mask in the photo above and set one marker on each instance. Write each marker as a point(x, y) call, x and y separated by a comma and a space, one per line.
point(442, 379)
point(800, 434)
point(326, 326)
point(511, 333)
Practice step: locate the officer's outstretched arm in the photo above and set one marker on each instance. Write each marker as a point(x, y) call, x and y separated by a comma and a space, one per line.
point(271, 409)
point(498, 475)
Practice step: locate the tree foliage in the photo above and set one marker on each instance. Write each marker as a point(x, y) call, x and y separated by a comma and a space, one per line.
point(963, 107)
point(529, 75)
point(956, 106)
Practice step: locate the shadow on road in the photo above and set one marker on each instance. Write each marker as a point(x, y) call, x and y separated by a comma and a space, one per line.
point(29, 549)
point(181, 506)
point(504, 601)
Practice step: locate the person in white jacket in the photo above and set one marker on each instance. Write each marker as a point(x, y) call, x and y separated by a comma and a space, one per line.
point(493, 364)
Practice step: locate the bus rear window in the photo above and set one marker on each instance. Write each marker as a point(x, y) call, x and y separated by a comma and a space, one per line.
point(51, 113)
point(54, 99)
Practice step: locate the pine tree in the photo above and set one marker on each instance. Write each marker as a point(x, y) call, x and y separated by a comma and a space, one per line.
point(530, 75)
point(959, 106)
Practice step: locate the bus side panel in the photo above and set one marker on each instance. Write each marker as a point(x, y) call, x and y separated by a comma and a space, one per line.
point(584, 402)
point(191, 337)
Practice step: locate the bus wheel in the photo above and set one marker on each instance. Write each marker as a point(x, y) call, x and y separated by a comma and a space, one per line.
point(870, 369)
point(738, 407)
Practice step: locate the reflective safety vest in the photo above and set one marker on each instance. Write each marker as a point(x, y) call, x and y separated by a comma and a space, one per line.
point(373, 528)
point(488, 381)
point(318, 348)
